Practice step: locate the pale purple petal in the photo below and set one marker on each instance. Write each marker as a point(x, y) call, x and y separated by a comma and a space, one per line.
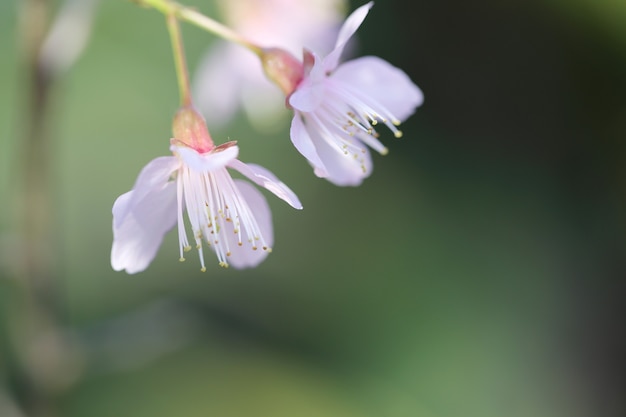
point(153, 176)
point(205, 162)
point(139, 224)
point(217, 84)
point(265, 178)
point(348, 29)
point(384, 83)
point(244, 256)
point(311, 92)
point(342, 169)
point(303, 143)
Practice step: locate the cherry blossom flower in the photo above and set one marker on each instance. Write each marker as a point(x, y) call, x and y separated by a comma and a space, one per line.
point(231, 216)
point(337, 106)
point(229, 77)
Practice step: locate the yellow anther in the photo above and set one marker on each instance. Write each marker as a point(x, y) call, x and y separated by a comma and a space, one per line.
point(203, 269)
point(384, 151)
point(187, 248)
point(181, 259)
point(398, 133)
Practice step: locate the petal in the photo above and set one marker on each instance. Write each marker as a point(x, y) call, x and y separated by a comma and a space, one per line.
point(152, 176)
point(386, 84)
point(311, 91)
point(217, 88)
point(205, 162)
point(265, 178)
point(303, 143)
point(341, 169)
point(244, 256)
point(139, 233)
point(348, 29)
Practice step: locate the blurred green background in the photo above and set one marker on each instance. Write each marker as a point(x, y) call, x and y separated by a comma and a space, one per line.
point(478, 273)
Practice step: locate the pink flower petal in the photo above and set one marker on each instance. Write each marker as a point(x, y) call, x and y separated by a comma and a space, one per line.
point(206, 162)
point(311, 92)
point(303, 143)
point(156, 173)
point(244, 256)
point(217, 90)
point(139, 223)
point(342, 169)
point(348, 29)
point(384, 83)
point(265, 178)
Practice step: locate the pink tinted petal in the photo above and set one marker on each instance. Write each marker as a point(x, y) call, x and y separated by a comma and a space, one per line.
point(348, 29)
point(138, 235)
point(378, 79)
point(152, 176)
point(244, 256)
point(217, 87)
point(303, 143)
point(309, 95)
point(205, 162)
point(341, 169)
point(265, 178)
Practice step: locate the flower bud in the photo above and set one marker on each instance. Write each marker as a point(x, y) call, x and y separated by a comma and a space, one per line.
point(282, 68)
point(189, 129)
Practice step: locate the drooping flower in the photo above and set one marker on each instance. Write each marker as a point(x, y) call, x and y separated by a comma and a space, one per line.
point(231, 216)
point(228, 77)
point(337, 106)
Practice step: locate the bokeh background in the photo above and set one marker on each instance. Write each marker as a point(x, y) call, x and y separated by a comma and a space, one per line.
point(478, 273)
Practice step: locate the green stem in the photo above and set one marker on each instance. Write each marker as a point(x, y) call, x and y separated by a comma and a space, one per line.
point(192, 16)
point(179, 60)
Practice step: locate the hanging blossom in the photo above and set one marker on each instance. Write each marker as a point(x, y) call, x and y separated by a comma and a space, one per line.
point(337, 106)
point(231, 216)
point(228, 79)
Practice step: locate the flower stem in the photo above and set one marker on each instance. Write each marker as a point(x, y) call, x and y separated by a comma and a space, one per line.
point(179, 60)
point(192, 16)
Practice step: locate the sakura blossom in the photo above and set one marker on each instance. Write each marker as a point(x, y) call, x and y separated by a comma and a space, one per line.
point(231, 216)
point(229, 77)
point(337, 107)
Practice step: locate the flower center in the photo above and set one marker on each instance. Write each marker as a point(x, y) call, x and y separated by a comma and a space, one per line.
point(218, 214)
